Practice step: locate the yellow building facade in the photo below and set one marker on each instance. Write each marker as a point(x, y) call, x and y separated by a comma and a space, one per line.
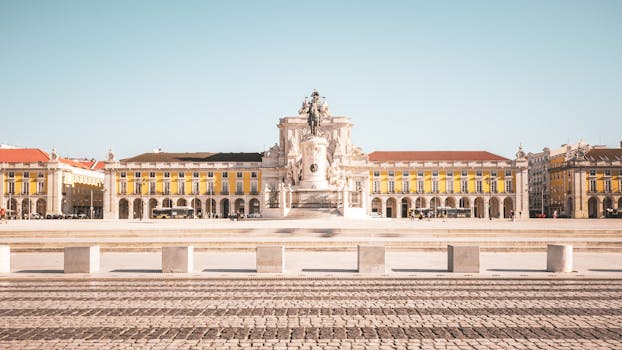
point(587, 183)
point(34, 183)
point(455, 184)
point(212, 184)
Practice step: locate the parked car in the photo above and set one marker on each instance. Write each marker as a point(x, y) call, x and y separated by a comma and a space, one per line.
point(254, 215)
point(375, 214)
point(35, 216)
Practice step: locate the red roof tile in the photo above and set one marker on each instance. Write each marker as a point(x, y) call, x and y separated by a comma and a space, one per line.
point(23, 155)
point(414, 156)
point(32, 155)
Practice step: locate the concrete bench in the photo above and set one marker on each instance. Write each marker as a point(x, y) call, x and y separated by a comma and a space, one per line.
point(371, 259)
point(82, 259)
point(177, 259)
point(270, 259)
point(462, 258)
point(559, 258)
point(5, 258)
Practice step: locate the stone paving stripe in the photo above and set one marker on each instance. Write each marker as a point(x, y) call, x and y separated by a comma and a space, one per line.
point(324, 289)
point(362, 311)
point(287, 333)
point(324, 297)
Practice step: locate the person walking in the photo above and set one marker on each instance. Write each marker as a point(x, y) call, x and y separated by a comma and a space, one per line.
point(3, 216)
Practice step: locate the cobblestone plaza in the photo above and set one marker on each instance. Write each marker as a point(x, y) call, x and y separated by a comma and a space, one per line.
point(307, 313)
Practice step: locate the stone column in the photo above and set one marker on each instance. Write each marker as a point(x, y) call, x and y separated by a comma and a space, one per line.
point(383, 202)
point(130, 208)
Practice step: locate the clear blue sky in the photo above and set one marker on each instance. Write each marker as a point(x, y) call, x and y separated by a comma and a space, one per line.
point(217, 75)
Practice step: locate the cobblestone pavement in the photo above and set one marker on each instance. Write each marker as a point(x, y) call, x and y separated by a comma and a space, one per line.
point(313, 313)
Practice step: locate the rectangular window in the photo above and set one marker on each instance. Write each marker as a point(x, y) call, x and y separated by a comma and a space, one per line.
point(167, 188)
point(608, 185)
point(479, 173)
point(167, 174)
point(464, 173)
point(391, 173)
point(450, 173)
point(608, 172)
point(420, 186)
point(592, 172)
point(478, 186)
point(239, 187)
point(508, 173)
point(450, 185)
point(376, 186)
point(225, 174)
point(225, 188)
point(138, 187)
point(123, 174)
point(181, 187)
point(40, 187)
point(152, 187)
point(26, 174)
point(25, 186)
point(254, 187)
point(435, 173)
point(405, 174)
point(195, 187)
point(405, 186)
point(11, 174)
point(11, 187)
point(195, 174)
point(152, 174)
point(493, 173)
point(137, 174)
point(210, 187)
point(254, 174)
point(464, 186)
point(123, 188)
point(376, 173)
point(508, 186)
point(391, 186)
point(420, 173)
point(210, 174)
point(40, 175)
point(493, 186)
point(592, 185)
point(181, 175)
point(435, 186)
point(239, 174)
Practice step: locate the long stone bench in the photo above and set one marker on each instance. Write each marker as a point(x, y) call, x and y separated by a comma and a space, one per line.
point(81, 259)
point(5, 259)
point(371, 259)
point(559, 258)
point(270, 259)
point(463, 258)
point(178, 259)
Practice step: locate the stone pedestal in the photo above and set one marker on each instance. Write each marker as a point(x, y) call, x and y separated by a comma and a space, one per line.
point(271, 259)
point(371, 259)
point(82, 259)
point(559, 258)
point(5, 259)
point(177, 259)
point(463, 259)
point(314, 163)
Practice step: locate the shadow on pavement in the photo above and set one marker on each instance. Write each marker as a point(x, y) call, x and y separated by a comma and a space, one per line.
point(40, 271)
point(329, 270)
point(231, 270)
point(606, 270)
point(138, 270)
point(518, 270)
point(419, 270)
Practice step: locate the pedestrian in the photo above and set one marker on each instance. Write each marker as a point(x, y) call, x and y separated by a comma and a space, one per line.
point(512, 215)
point(555, 214)
point(3, 216)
